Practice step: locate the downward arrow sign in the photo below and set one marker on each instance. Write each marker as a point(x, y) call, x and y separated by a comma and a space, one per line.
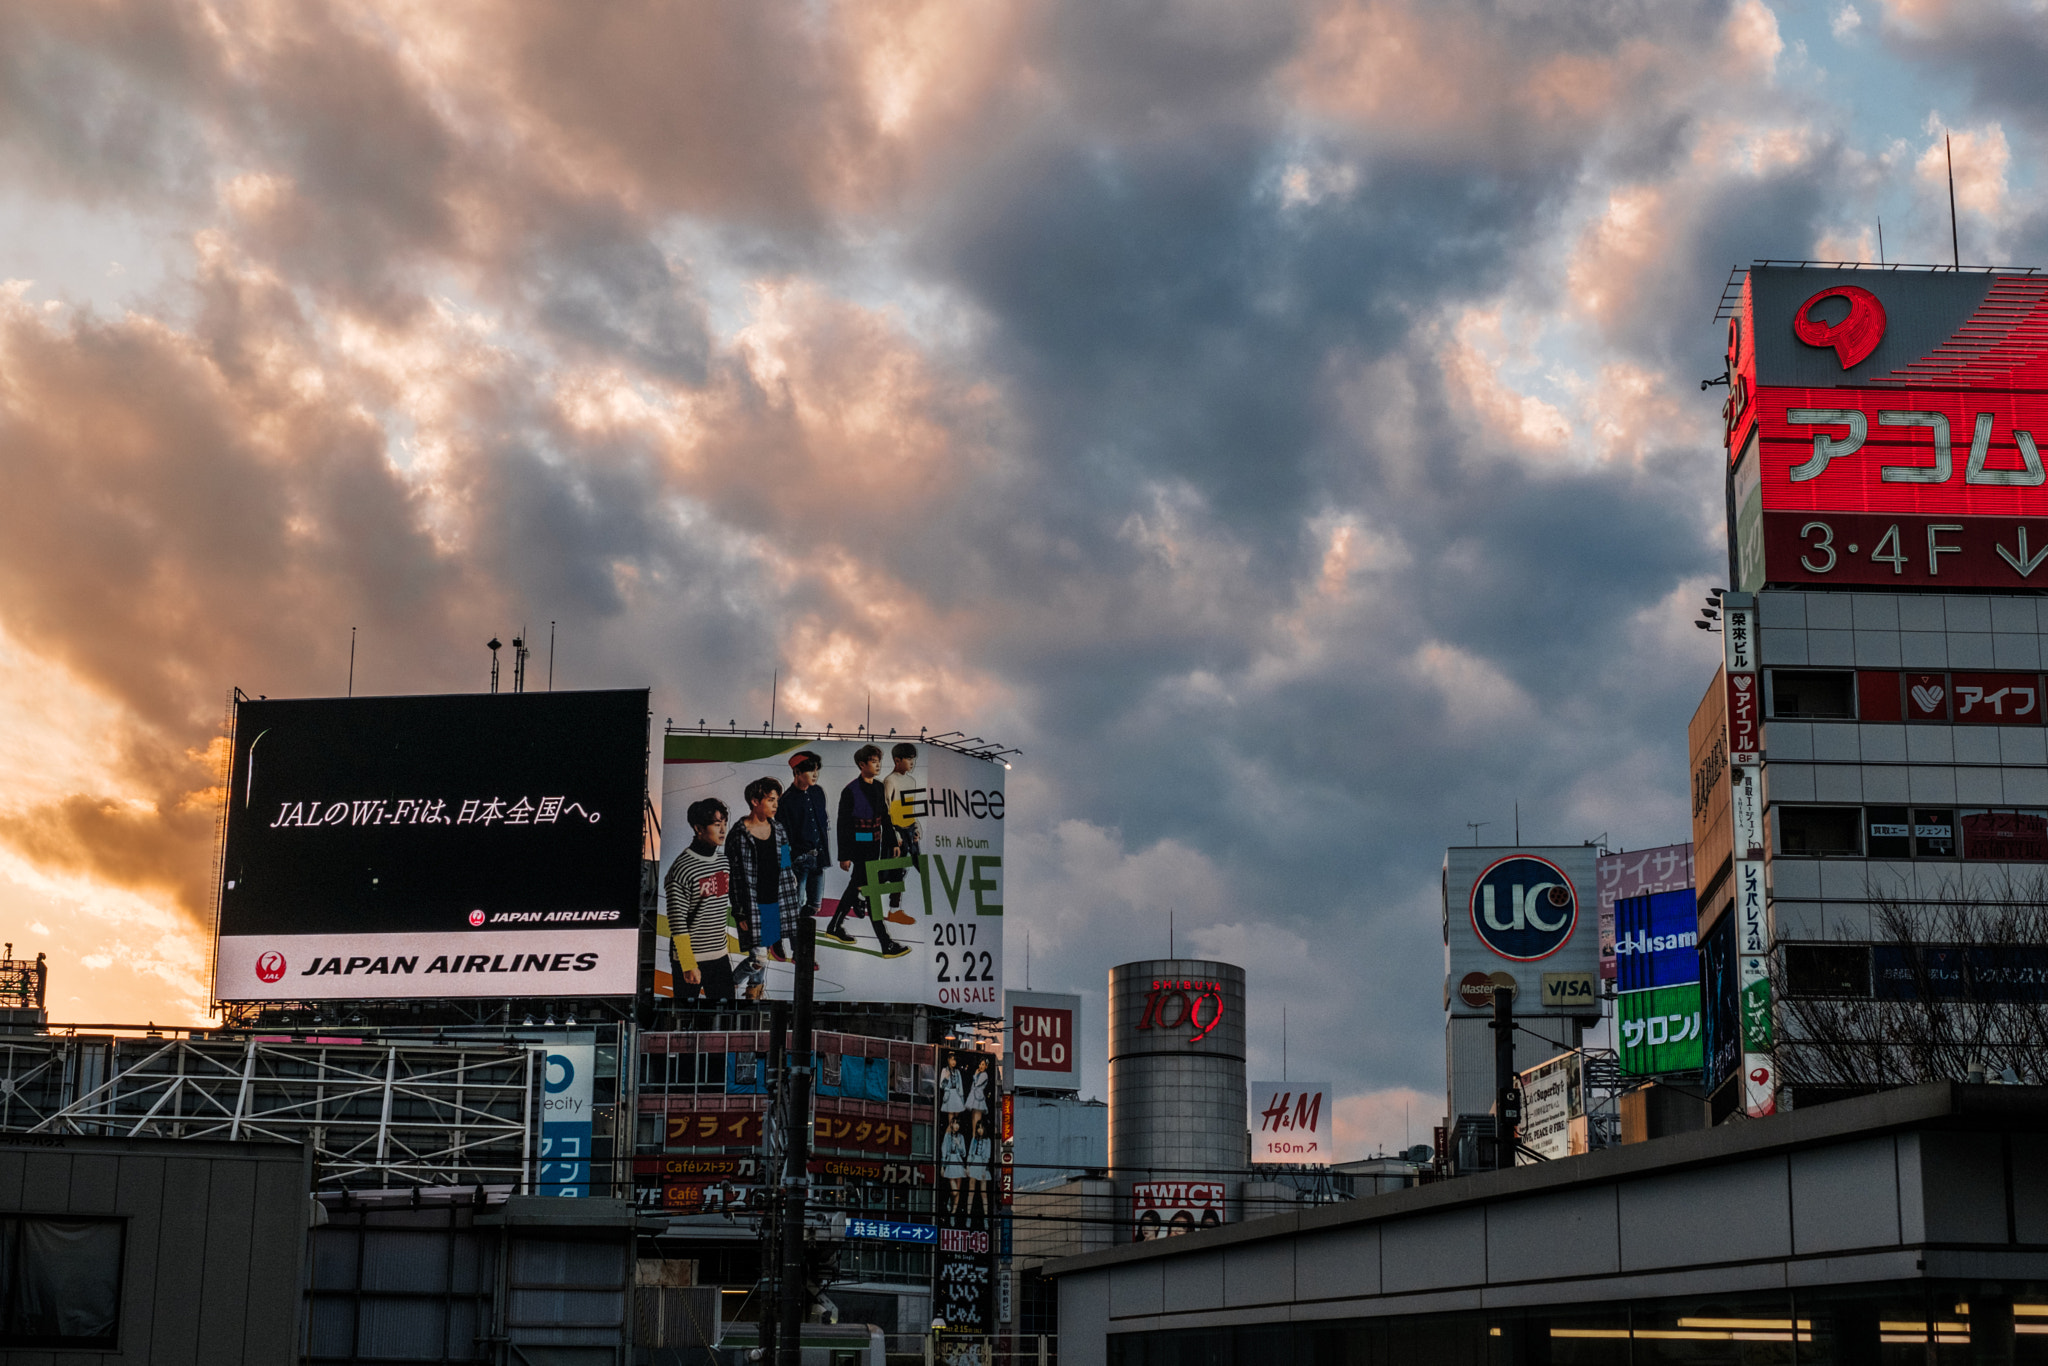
point(2025, 564)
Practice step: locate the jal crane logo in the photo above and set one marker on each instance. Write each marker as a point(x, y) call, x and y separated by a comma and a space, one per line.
point(1524, 908)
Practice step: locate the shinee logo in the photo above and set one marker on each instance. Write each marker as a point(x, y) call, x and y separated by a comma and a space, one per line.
point(1524, 908)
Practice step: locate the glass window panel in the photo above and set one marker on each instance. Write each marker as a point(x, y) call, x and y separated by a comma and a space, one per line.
point(1889, 831)
point(1934, 832)
point(1822, 830)
point(67, 1281)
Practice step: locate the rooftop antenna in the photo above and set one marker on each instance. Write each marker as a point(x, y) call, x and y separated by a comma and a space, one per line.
point(519, 653)
point(1169, 932)
point(551, 656)
point(351, 661)
point(1518, 824)
point(1880, 239)
point(1027, 960)
point(1955, 251)
point(774, 692)
point(1475, 825)
point(493, 642)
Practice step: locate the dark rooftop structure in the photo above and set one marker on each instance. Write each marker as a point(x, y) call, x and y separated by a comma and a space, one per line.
point(1893, 1227)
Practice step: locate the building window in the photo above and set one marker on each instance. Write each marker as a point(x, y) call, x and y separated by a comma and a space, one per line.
point(1909, 832)
point(1820, 830)
point(1934, 833)
point(1827, 970)
point(2005, 836)
point(1798, 695)
point(1888, 831)
point(60, 1282)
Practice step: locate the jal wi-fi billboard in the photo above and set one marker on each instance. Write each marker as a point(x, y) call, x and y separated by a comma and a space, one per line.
point(1885, 427)
point(428, 847)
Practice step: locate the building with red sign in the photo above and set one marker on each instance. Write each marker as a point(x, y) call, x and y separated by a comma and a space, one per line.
point(1874, 740)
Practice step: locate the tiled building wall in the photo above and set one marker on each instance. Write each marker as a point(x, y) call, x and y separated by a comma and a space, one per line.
point(1861, 763)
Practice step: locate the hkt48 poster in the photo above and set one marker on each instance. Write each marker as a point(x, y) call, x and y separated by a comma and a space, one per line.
point(893, 846)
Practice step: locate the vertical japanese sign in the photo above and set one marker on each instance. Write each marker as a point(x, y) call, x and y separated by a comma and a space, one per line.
point(1759, 1069)
point(967, 1118)
point(1745, 710)
point(1009, 1148)
point(565, 1127)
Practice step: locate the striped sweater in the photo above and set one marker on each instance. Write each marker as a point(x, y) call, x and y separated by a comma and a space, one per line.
point(698, 907)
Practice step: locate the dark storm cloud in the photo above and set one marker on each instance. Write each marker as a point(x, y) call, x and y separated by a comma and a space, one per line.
point(1095, 375)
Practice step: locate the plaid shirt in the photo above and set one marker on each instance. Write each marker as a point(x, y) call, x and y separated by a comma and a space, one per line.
point(739, 859)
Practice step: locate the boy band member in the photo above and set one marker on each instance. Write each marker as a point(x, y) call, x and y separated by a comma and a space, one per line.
point(698, 906)
point(864, 836)
point(809, 825)
point(905, 795)
point(763, 880)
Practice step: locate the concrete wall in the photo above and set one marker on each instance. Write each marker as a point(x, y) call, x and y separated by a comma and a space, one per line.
point(214, 1245)
point(1868, 1190)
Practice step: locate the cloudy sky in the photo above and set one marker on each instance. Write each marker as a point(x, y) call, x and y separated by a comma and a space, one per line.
point(1281, 420)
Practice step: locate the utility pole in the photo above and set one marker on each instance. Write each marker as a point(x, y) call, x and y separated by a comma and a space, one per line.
point(1507, 1108)
point(794, 1291)
point(777, 1063)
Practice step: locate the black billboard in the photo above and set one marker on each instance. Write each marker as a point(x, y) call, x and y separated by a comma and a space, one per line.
point(457, 845)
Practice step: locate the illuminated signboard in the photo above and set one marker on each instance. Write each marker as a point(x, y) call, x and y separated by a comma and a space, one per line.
point(1184, 1003)
point(1519, 918)
point(466, 845)
point(1885, 427)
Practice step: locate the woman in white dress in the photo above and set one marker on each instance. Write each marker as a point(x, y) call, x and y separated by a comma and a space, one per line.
point(981, 1153)
point(953, 1162)
point(952, 1086)
point(977, 1087)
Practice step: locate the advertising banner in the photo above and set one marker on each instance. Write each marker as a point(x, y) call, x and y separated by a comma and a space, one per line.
point(427, 847)
point(1045, 1039)
point(1884, 427)
point(894, 846)
point(565, 1128)
point(1292, 1122)
point(965, 1119)
point(1656, 940)
point(1166, 1209)
point(1514, 916)
point(1638, 872)
point(1660, 1030)
point(1551, 1100)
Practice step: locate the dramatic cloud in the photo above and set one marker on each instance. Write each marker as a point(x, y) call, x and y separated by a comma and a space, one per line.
point(1281, 421)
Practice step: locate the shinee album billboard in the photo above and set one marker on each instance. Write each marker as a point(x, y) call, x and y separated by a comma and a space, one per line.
point(892, 845)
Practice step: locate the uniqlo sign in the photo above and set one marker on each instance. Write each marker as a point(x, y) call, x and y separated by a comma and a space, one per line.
point(1885, 427)
point(1045, 1043)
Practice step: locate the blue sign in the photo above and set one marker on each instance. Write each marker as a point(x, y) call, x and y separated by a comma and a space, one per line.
point(885, 1231)
point(1656, 941)
point(1524, 908)
point(566, 1127)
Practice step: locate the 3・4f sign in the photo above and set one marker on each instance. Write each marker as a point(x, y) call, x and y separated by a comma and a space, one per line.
point(1524, 908)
